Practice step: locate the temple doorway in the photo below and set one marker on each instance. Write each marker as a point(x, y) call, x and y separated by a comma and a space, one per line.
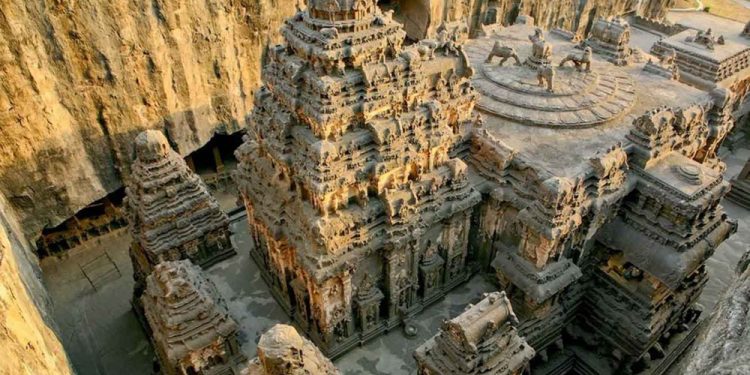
point(215, 162)
point(94, 220)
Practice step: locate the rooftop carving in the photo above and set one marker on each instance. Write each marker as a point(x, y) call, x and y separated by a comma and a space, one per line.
point(482, 340)
point(537, 94)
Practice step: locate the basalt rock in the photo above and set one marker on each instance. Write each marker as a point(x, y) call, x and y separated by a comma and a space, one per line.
point(82, 78)
point(725, 347)
point(28, 337)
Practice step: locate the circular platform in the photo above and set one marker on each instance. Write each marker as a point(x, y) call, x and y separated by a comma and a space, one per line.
point(580, 99)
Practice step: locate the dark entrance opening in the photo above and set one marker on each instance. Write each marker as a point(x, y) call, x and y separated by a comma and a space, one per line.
point(94, 220)
point(214, 163)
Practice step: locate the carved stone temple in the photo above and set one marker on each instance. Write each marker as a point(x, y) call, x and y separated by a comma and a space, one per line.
point(172, 215)
point(601, 202)
point(590, 189)
point(357, 203)
point(282, 351)
point(191, 330)
point(482, 340)
point(713, 62)
point(611, 39)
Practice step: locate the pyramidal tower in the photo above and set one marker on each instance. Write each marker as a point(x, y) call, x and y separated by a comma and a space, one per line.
point(191, 329)
point(172, 215)
point(357, 203)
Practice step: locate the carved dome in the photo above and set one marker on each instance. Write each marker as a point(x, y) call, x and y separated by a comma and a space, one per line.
point(151, 145)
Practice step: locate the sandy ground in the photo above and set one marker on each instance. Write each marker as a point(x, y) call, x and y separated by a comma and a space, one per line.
point(102, 336)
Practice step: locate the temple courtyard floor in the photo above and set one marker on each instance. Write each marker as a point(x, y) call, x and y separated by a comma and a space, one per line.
point(91, 287)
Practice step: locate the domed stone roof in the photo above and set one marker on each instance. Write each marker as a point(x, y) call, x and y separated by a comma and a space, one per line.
point(151, 145)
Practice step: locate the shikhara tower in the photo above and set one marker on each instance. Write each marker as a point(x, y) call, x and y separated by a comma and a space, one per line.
point(359, 208)
point(172, 215)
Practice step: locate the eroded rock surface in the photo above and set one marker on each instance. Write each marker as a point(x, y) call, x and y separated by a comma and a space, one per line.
point(28, 341)
point(725, 347)
point(81, 78)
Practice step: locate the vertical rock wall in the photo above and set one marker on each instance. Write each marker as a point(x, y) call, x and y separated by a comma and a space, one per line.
point(80, 78)
point(29, 344)
point(724, 347)
point(577, 15)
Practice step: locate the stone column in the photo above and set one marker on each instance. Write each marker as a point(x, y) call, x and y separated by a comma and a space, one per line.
point(218, 160)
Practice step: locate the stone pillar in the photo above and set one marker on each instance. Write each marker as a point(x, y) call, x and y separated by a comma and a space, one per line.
point(190, 162)
point(217, 159)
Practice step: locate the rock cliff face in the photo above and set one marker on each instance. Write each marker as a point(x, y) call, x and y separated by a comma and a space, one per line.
point(725, 347)
point(80, 78)
point(425, 17)
point(577, 15)
point(29, 345)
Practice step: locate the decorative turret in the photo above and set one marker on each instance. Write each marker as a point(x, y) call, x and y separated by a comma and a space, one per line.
point(191, 329)
point(172, 215)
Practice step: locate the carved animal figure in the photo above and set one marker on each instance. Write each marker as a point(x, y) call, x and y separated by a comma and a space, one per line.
point(584, 59)
point(538, 36)
point(330, 32)
point(546, 73)
point(503, 52)
point(541, 50)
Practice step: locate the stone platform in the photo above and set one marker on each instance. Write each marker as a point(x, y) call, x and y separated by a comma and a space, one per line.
point(580, 99)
